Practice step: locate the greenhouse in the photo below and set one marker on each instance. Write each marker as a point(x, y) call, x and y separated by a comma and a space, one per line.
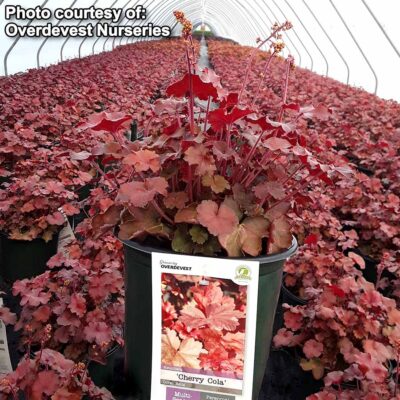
point(199, 199)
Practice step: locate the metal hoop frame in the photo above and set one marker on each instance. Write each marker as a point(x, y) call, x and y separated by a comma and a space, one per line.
point(240, 23)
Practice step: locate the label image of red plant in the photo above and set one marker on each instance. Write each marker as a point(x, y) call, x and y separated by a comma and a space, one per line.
point(204, 323)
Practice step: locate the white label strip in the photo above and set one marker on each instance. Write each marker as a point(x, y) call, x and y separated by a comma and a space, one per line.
point(5, 360)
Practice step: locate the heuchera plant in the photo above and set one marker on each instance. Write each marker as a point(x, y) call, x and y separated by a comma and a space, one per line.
point(211, 175)
point(188, 340)
point(80, 297)
point(38, 114)
point(365, 131)
point(359, 214)
point(350, 330)
point(49, 375)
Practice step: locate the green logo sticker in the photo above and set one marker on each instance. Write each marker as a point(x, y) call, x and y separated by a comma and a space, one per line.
point(243, 275)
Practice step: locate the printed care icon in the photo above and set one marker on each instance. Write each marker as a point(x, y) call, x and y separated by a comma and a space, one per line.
point(243, 275)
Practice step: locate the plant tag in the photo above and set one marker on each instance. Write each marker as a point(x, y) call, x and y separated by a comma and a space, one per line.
point(5, 361)
point(204, 327)
point(66, 235)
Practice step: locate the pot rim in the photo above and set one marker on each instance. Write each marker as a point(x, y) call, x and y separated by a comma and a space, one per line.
point(283, 255)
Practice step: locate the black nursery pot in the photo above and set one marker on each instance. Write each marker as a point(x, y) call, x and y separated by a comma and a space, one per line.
point(103, 375)
point(138, 313)
point(84, 191)
point(288, 297)
point(21, 259)
point(370, 272)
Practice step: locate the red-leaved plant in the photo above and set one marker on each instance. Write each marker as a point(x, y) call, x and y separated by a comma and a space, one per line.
point(80, 297)
point(349, 329)
point(49, 375)
point(38, 114)
point(353, 219)
point(211, 175)
point(188, 340)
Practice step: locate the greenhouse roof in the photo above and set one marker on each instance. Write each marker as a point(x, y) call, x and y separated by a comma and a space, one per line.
point(356, 42)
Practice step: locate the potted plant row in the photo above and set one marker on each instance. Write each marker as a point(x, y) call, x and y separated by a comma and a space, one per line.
point(40, 110)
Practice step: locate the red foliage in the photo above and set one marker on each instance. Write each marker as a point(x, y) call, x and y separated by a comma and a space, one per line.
point(204, 329)
point(40, 118)
point(362, 212)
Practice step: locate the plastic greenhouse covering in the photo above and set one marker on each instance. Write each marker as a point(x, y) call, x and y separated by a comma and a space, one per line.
point(356, 42)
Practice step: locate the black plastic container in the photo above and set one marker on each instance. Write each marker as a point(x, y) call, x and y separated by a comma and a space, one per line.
point(138, 313)
point(103, 374)
point(370, 272)
point(290, 298)
point(21, 259)
point(84, 191)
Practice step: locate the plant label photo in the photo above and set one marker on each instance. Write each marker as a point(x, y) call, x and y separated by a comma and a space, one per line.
point(204, 327)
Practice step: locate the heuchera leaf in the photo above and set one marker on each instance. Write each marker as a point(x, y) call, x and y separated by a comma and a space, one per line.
point(176, 200)
point(104, 121)
point(311, 239)
point(140, 222)
point(291, 106)
point(209, 76)
point(67, 394)
point(275, 143)
point(70, 209)
point(179, 353)
point(358, 259)
point(315, 366)
point(320, 111)
point(199, 234)
point(7, 316)
point(201, 90)
point(187, 215)
point(378, 350)
point(201, 156)
point(261, 122)
point(42, 314)
point(337, 291)
point(230, 101)
point(56, 219)
point(284, 337)
point(218, 220)
point(312, 348)
point(213, 310)
point(82, 155)
point(271, 188)
point(98, 332)
point(78, 304)
point(222, 151)
point(182, 241)
point(140, 194)
point(219, 119)
point(169, 106)
point(110, 148)
point(46, 383)
point(217, 183)
point(246, 238)
point(108, 219)
point(143, 160)
point(35, 298)
point(280, 237)
point(210, 248)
